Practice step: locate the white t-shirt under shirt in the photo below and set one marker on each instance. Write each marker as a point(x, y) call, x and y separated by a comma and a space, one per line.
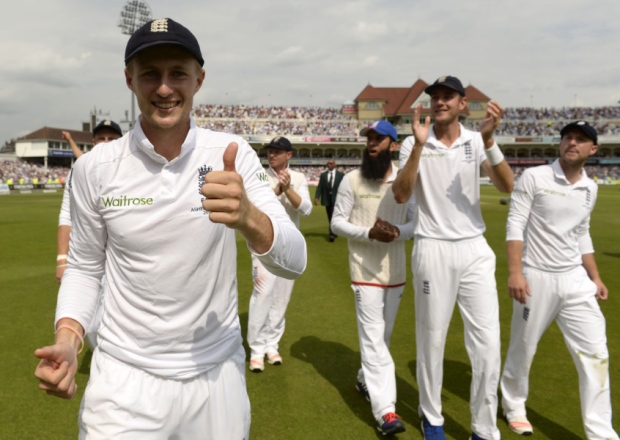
point(552, 216)
point(447, 191)
point(170, 300)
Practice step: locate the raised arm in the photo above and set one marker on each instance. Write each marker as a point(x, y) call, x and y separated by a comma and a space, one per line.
point(495, 166)
point(76, 150)
point(407, 176)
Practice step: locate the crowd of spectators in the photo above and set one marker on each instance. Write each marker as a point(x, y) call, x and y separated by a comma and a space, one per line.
point(547, 128)
point(267, 112)
point(273, 121)
point(279, 127)
point(329, 121)
point(19, 172)
point(604, 173)
point(600, 173)
point(29, 173)
point(561, 113)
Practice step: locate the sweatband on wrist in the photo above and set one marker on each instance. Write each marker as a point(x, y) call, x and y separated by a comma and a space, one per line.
point(61, 257)
point(494, 155)
point(68, 327)
point(61, 265)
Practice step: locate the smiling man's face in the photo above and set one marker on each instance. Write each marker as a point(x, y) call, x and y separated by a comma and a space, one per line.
point(164, 80)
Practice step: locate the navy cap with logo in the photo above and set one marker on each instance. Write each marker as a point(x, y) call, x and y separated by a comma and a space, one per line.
point(582, 126)
point(382, 127)
point(451, 82)
point(280, 142)
point(109, 125)
point(162, 31)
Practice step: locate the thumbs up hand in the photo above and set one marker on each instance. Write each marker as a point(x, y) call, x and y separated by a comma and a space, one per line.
point(226, 200)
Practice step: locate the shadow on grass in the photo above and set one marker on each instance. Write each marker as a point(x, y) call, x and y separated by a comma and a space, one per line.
point(338, 364)
point(84, 367)
point(612, 254)
point(243, 321)
point(456, 380)
point(323, 235)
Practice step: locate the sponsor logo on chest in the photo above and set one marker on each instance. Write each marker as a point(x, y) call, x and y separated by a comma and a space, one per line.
point(432, 155)
point(552, 192)
point(125, 201)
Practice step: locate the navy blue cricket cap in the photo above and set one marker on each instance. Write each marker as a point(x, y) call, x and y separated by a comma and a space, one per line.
point(280, 142)
point(382, 127)
point(582, 126)
point(110, 125)
point(162, 31)
point(451, 82)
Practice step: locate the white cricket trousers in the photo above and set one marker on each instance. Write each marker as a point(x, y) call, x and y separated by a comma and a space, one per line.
point(123, 402)
point(568, 298)
point(376, 309)
point(268, 304)
point(446, 273)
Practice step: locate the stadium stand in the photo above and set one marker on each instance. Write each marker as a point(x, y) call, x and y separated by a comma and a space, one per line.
point(528, 136)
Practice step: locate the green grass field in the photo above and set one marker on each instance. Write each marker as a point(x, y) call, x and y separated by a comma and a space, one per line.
point(312, 395)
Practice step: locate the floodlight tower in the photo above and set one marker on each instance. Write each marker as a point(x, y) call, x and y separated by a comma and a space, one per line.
point(134, 15)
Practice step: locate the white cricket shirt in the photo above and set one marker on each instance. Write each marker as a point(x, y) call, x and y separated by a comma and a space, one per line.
point(447, 191)
point(170, 300)
point(552, 217)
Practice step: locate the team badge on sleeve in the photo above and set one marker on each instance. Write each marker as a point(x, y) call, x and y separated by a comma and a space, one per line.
point(262, 176)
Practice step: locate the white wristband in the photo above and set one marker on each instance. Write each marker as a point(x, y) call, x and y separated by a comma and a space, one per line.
point(494, 155)
point(61, 257)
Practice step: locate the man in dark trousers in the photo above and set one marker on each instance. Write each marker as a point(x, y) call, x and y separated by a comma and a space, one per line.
point(327, 190)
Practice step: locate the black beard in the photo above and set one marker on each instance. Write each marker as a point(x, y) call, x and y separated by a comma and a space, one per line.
point(375, 168)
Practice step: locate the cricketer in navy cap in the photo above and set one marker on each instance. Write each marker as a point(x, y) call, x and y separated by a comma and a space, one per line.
point(162, 31)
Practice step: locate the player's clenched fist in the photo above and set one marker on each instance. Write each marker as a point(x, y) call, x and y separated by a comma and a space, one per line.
point(56, 370)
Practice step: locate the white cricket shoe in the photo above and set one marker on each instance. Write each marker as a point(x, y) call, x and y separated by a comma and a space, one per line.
point(519, 425)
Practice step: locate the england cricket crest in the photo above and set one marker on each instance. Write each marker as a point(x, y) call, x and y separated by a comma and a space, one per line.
point(469, 151)
point(588, 201)
point(202, 172)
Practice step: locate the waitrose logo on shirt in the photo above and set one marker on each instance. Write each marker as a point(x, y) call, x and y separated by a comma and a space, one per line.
point(124, 201)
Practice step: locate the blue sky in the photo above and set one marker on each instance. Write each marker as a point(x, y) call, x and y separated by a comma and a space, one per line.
point(62, 59)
